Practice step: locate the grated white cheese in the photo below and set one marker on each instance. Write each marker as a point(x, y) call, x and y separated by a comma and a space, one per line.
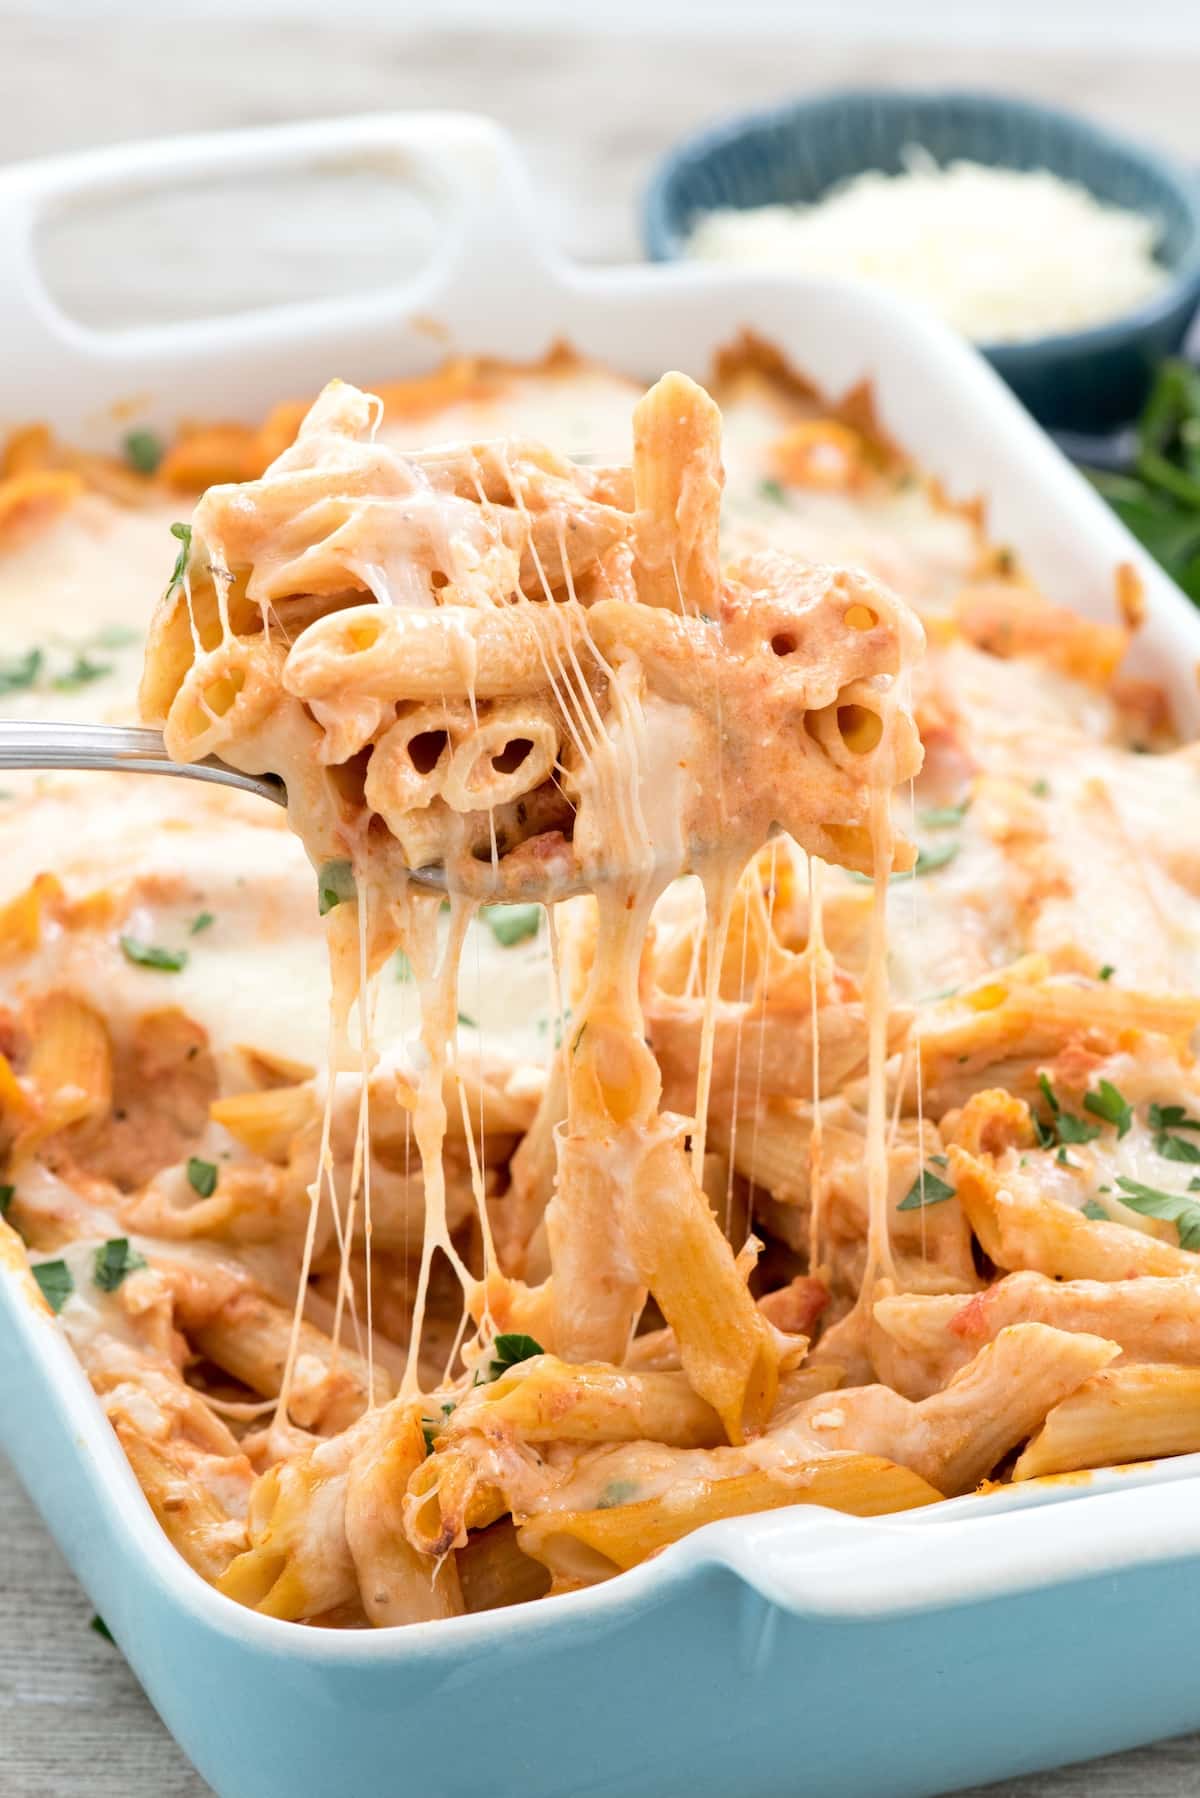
point(1001, 254)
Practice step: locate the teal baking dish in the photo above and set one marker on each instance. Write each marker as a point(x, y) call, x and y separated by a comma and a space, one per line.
point(797, 1651)
point(1088, 381)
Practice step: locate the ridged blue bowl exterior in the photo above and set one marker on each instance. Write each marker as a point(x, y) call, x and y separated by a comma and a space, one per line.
point(1088, 381)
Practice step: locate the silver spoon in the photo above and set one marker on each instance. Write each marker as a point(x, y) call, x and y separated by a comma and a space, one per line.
point(134, 749)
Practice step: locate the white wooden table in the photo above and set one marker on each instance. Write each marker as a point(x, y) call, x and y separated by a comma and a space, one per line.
point(591, 112)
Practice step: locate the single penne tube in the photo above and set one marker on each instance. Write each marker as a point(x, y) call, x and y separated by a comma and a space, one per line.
point(1018, 1228)
point(187, 1511)
point(70, 1069)
point(581, 1547)
point(267, 1122)
point(544, 1400)
point(493, 1571)
point(726, 1346)
point(677, 484)
point(453, 652)
point(396, 1583)
point(1122, 1414)
point(249, 1337)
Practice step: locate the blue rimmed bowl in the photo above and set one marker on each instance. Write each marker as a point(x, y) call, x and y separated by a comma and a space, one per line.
point(1091, 380)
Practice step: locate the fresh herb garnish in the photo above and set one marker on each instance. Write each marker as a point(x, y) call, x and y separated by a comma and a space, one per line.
point(82, 672)
point(402, 965)
point(511, 924)
point(115, 1259)
point(7, 1195)
point(467, 1021)
point(101, 1628)
point(930, 860)
point(427, 1429)
point(1064, 1126)
point(54, 1278)
point(617, 1492)
point(335, 885)
point(201, 921)
point(1107, 971)
point(1048, 1093)
point(1165, 1120)
point(1073, 1129)
point(1111, 1105)
point(943, 817)
point(1040, 788)
point(202, 1176)
point(773, 490)
point(1176, 1207)
point(153, 955)
point(1160, 501)
point(184, 534)
point(16, 676)
point(1096, 1212)
point(926, 1189)
point(507, 1351)
point(1064, 1160)
point(143, 451)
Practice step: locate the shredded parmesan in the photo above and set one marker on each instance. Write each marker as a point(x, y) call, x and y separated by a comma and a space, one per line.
point(1001, 254)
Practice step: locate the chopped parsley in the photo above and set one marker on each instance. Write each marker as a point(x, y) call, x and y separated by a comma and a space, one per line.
point(7, 1195)
point(1040, 789)
point(335, 885)
point(511, 924)
point(20, 674)
point(143, 451)
point(926, 1189)
point(1064, 1160)
point(1165, 1121)
point(202, 1176)
point(115, 1259)
point(1106, 972)
point(184, 534)
point(930, 860)
point(467, 1021)
point(402, 965)
point(1065, 1127)
point(773, 490)
point(617, 1492)
point(153, 955)
point(203, 920)
point(1096, 1212)
point(101, 1628)
point(82, 672)
point(1073, 1129)
point(427, 1428)
point(507, 1351)
point(943, 817)
point(54, 1278)
point(1111, 1105)
point(1176, 1207)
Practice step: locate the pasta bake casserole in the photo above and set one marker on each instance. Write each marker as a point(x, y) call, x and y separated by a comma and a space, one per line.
point(791, 1100)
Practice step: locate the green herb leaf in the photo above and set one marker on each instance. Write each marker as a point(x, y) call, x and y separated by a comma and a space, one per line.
point(617, 1492)
point(183, 532)
point(467, 1021)
point(143, 451)
point(1048, 1093)
point(402, 965)
point(930, 860)
point(7, 1195)
point(20, 674)
point(1040, 788)
point(427, 1434)
point(1111, 1105)
point(1172, 1117)
point(1072, 1129)
point(115, 1259)
point(1177, 1148)
point(507, 1351)
point(82, 672)
point(1107, 971)
point(773, 490)
point(1096, 1212)
point(1176, 1207)
point(511, 924)
point(54, 1278)
point(152, 955)
point(926, 1189)
point(335, 885)
point(203, 920)
point(1064, 1160)
point(101, 1628)
point(943, 817)
point(202, 1176)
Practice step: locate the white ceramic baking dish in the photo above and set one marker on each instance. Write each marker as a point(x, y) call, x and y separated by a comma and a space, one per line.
point(796, 1651)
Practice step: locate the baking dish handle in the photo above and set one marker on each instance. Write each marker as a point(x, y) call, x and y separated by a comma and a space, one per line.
point(465, 165)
